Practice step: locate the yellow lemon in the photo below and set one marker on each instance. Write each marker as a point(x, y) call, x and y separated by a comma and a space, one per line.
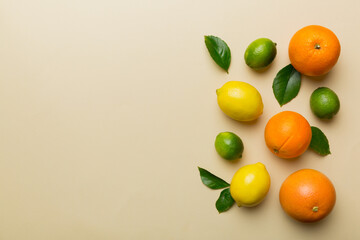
point(240, 101)
point(250, 185)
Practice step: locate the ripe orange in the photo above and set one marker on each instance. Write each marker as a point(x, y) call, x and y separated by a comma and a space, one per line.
point(288, 134)
point(314, 50)
point(307, 195)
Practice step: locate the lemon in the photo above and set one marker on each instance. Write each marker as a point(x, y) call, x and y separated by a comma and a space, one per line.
point(324, 103)
point(250, 185)
point(260, 53)
point(229, 146)
point(240, 101)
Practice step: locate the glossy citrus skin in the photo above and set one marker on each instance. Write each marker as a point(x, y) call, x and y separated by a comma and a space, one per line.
point(288, 134)
point(260, 53)
point(240, 101)
point(314, 50)
point(324, 103)
point(250, 185)
point(229, 145)
point(307, 195)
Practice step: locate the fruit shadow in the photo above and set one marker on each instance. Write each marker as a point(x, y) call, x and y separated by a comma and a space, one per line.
point(333, 121)
point(315, 80)
point(261, 70)
point(291, 163)
point(248, 123)
point(251, 210)
point(328, 121)
point(310, 226)
point(231, 162)
point(236, 161)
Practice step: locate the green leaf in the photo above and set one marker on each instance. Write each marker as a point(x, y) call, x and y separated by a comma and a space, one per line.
point(219, 51)
point(319, 143)
point(225, 201)
point(286, 84)
point(212, 181)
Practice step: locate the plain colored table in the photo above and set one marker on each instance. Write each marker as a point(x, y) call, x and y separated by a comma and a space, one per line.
point(108, 107)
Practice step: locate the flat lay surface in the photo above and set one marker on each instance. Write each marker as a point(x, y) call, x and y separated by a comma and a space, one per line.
point(109, 107)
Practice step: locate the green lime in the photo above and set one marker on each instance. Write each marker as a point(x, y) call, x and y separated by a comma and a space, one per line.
point(260, 53)
point(229, 145)
point(324, 103)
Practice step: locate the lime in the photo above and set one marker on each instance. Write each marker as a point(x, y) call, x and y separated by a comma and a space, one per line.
point(260, 53)
point(250, 185)
point(229, 145)
point(240, 101)
point(324, 103)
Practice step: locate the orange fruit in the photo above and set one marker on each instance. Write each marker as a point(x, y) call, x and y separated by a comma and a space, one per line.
point(314, 50)
point(307, 195)
point(288, 134)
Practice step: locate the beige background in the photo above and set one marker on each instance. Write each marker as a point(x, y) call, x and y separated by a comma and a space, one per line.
point(108, 107)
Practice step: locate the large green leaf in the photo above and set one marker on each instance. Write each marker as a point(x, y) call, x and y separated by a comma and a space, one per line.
point(219, 51)
point(319, 142)
point(286, 84)
point(225, 201)
point(212, 181)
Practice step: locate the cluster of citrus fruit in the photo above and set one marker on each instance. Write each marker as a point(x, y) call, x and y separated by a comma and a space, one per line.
point(306, 195)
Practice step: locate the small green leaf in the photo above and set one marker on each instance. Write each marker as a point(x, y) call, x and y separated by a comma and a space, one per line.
point(319, 143)
point(212, 181)
point(219, 51)
point(286, 84)
point(225, 201)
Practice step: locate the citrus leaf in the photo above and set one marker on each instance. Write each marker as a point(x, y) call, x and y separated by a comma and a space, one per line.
point(212, 181)
point(319, 143)
point(286, 84)
point(225, 201)
point(219, 51)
